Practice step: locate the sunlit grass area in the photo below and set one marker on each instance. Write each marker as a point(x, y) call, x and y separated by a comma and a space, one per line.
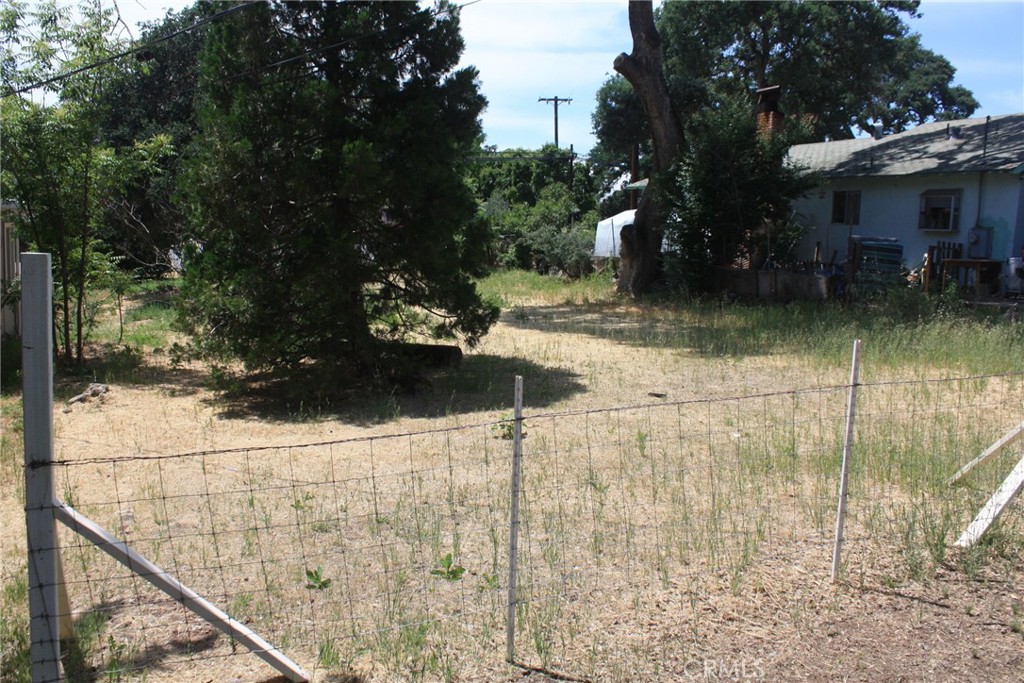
point(900, 329)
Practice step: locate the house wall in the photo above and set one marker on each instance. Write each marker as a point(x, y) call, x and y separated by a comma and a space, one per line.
point(890, 205)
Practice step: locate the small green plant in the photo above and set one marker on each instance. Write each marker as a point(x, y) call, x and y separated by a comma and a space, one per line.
point(329, 655)
point(505, 428)
point(117, 663)
point(1017, 624)
point(299, 503)
point(315, 579)
point(641, 443)
point(448, 570)
point(490, 582)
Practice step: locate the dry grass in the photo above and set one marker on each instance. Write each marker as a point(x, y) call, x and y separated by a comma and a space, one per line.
point(672, 529)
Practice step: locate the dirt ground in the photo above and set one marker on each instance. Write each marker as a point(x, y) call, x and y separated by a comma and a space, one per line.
point(787, 622)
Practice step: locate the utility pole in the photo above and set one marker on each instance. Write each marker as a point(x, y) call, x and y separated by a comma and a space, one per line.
point(555, 100)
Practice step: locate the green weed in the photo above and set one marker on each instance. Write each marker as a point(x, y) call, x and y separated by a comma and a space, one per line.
point(448, 570)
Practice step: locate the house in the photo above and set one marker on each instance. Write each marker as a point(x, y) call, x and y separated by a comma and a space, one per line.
point(954, 189)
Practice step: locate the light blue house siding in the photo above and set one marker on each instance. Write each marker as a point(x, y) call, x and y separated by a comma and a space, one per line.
point(977, 162)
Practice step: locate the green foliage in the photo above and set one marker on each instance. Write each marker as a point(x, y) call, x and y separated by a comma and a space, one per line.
point(10, 363)
point(315, 579)
point(54, 164)
point(328, 192)
point(619, 120)
point(731, 196)
point(15, 654)
point(541, 205)
point(448, 570)
point(841, 65)
point(548, 236)
point(506, 428)
point(153, 95)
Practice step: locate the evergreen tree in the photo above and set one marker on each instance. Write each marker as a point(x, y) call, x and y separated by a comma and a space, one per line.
point(153, 94)
point(327, 188)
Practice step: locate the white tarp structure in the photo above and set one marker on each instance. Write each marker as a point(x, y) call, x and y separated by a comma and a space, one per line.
point(606, 242)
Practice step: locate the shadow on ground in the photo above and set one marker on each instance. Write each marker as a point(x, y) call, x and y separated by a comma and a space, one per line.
point(481, 383)
point(626, 323)
point(129, 368)
point(79, 657)
point(711, 329)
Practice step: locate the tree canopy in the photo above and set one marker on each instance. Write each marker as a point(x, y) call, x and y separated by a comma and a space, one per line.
point(153, 94)
point(327, 185)
point(843, 66)
point(57, 70)
point(729, 197)
point(541, 205)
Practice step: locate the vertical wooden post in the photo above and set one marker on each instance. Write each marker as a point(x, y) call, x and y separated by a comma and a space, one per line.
point(513, 532)
point(37, 398)
point(851, 411)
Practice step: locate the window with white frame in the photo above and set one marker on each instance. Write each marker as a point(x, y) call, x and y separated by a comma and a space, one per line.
point(846, 207)
point(940, 210)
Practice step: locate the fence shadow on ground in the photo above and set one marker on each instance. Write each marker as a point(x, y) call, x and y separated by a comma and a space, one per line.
point(481, 383)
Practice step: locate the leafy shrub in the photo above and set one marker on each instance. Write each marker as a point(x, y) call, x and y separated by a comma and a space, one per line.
point(10, 362)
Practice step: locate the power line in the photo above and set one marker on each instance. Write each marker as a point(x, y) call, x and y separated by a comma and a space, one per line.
point(135, 50)
point(214, 17)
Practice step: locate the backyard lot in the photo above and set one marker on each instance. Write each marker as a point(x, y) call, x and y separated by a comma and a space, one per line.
point(678, 499)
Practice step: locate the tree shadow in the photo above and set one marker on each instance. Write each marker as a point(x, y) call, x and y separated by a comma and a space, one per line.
point(709, 328)
point(480, 383)
point(128, 367)
point(702, 330)
point(78, 652)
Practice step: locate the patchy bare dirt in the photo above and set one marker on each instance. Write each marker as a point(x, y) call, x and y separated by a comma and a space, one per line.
point(780, 619)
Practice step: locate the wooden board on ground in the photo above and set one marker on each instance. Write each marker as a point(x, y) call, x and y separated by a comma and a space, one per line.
point(996, 505)
point(1005, 441)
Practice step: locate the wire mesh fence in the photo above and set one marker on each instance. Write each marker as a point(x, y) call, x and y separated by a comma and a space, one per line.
point(388, 555)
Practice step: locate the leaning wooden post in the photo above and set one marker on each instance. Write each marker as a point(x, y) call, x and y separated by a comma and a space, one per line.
point(844, 479)
point(513, 532)
point(37, 401)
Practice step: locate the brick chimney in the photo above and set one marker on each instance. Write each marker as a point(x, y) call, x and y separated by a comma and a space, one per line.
point(770, 119)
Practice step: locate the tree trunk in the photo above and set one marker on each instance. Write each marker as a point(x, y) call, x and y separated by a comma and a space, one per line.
point(643, 68)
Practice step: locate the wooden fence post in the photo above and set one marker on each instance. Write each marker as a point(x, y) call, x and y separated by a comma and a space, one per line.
point(37, 398)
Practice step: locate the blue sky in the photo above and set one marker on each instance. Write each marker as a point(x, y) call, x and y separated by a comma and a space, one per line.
point(528, 49)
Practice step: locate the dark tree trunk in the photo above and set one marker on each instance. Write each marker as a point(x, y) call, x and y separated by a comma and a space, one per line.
point(643, 68)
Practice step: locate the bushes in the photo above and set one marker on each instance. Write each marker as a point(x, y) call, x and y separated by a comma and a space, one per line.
point(10, 362)
point(550, 236)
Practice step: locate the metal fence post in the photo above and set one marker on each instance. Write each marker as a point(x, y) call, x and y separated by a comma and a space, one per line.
point(513, 532)
point(851, 411)
point(37, 399)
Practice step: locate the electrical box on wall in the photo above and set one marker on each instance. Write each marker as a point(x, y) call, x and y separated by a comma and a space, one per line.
point(979, 242)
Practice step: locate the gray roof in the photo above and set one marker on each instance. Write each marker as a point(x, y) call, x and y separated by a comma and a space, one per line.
point(938, 147)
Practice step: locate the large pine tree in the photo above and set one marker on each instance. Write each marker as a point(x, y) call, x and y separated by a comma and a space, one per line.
point(327, 185)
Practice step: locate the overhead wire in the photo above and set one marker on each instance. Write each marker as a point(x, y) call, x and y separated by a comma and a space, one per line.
point(134, 50)
point(214, 17)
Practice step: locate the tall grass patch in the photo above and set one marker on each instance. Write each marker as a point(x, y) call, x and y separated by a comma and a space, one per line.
point(901, 329)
